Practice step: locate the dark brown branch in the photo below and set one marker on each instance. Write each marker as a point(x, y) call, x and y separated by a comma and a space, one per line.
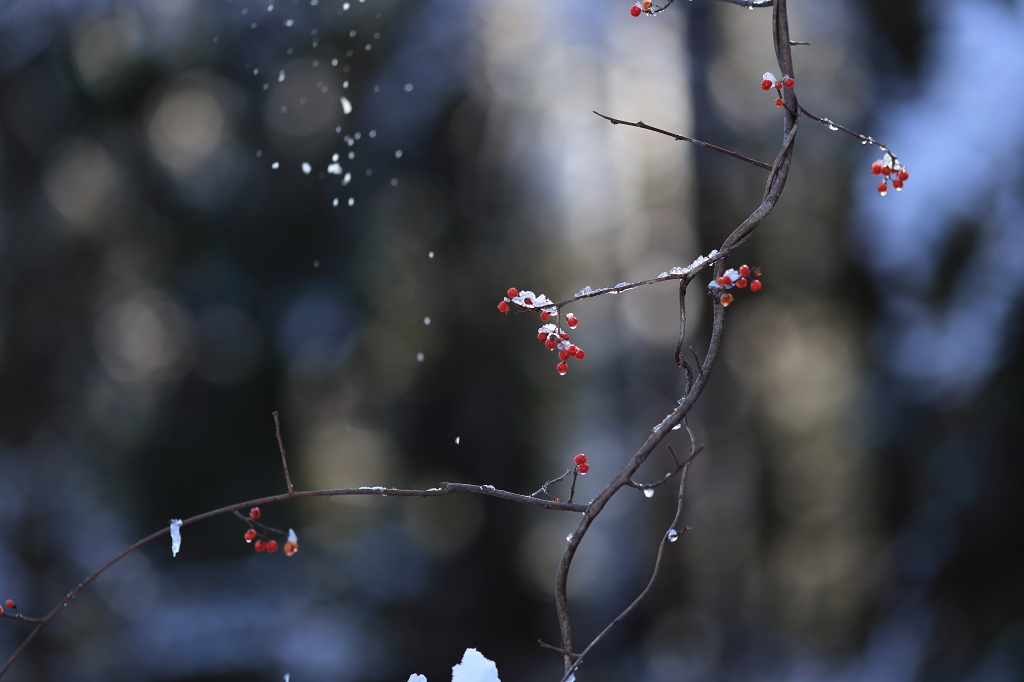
point(666, 478)
point(444, 490)
point(554, 648)
point(750, 4)
point(256, 525)
point(684, 138)
point(832, 125)
point(284, 458)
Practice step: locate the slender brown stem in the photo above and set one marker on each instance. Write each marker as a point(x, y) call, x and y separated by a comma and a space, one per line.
point(284, 457)
point(684, 138)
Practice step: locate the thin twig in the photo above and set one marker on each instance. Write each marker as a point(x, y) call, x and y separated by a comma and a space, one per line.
point(256, 524)
point(750, 4)
point(554, 648)
point(284, 458)
point(684, 138)
point(544, 488)
point(695, 357)
point(572, 489)
point(832, 125)
point(666, 478)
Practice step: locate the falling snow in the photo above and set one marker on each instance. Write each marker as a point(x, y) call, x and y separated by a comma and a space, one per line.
point(346, 106)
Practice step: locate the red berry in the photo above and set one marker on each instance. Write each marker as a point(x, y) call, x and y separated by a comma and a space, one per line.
point(725, 300)
point(562, 368)
point(584, 468)
point(904, 175)
point(635, 10)
point(1, 609)
point(10, 604)
point(755, 285)
point(271, 546)
point(527, 301)
point(250, 535)
point(897, 184)
point(571, 320)
point(503, 307)
point(512, 293)
point(544, 315)
point(580, 459)
point(565, 337)
point(254, 513)
point(779, 102)
point(766, 84)
point(259, 545)
point(580, 354)
point(757, 272)
point(550, 344)
point(886, 171)
point(563, 355)
point(542, 336)
point(883, 188)
point(741, 282)
point(572, 350)
point(788, 81)
point(724, 281)
point(744, 271)
point(778, 85)
point(876, 168)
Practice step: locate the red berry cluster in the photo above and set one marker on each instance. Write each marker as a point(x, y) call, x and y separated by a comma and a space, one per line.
point(739, 278)
point(768, 81)
point(890, 169)
point(640, 7)
point(9, 604)
point(261, 545)
point(553, 337)
point(581, 464)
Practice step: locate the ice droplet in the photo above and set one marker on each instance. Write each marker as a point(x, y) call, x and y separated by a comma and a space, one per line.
point(676, 427)
point(648, 492)
point(346, 106)
point(426, 320)
point(275, 165)
point(672, 535)
point(306, 168)
point(419, 357)
point(568, 538)
point(175, 536)
point(457, 439)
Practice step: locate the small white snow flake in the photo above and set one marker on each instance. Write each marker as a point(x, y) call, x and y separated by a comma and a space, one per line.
point(335, 201)
point(175, 536)
point(280, 76)
point(346, 106)
point(347, 179)
point(457, 439)
point(289, 22)
point(334, 168)
point(275, 165)
point(335, 157)
point(475, 668)
point(351, 201)
point(270, 8)
point(426, 320)
point(306, 168)
point(398, 153)
point(373, 133)
point(408, 87)
point(430, 255)
point(419, 357)
point(346, 6)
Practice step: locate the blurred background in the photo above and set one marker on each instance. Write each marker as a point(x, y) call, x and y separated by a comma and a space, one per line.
point(213, 209)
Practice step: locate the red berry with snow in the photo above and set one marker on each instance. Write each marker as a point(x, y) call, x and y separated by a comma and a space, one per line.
point(897, 184)
point(635, 10)
point(766, 84)
point(741, 282)
point(788, 81)
point(544, 315)
point(876, 168)
point(744, 271)
point(724, 281)
point(271, 546)
point(503, 307)
point(571, 350)
point(883, 188)
point(584, 468)
point(571, 320)
point(550, 344)
point(562, 368)
point(886, 171)
point(725, 300)
point(904, 175)
point(580, 354)
point(563, 354)
point(580, 459)
point(250, 535)
point(512, 293)
point(259, 546)
point(755, 285)
point(542, 336)
point(565, 337)
point(254, 513)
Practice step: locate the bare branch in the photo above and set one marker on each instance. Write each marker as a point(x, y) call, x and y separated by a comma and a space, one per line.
point(684, 138)
point(832, 125)
point(749, 4)
point(284, 458)
point(544, 488)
